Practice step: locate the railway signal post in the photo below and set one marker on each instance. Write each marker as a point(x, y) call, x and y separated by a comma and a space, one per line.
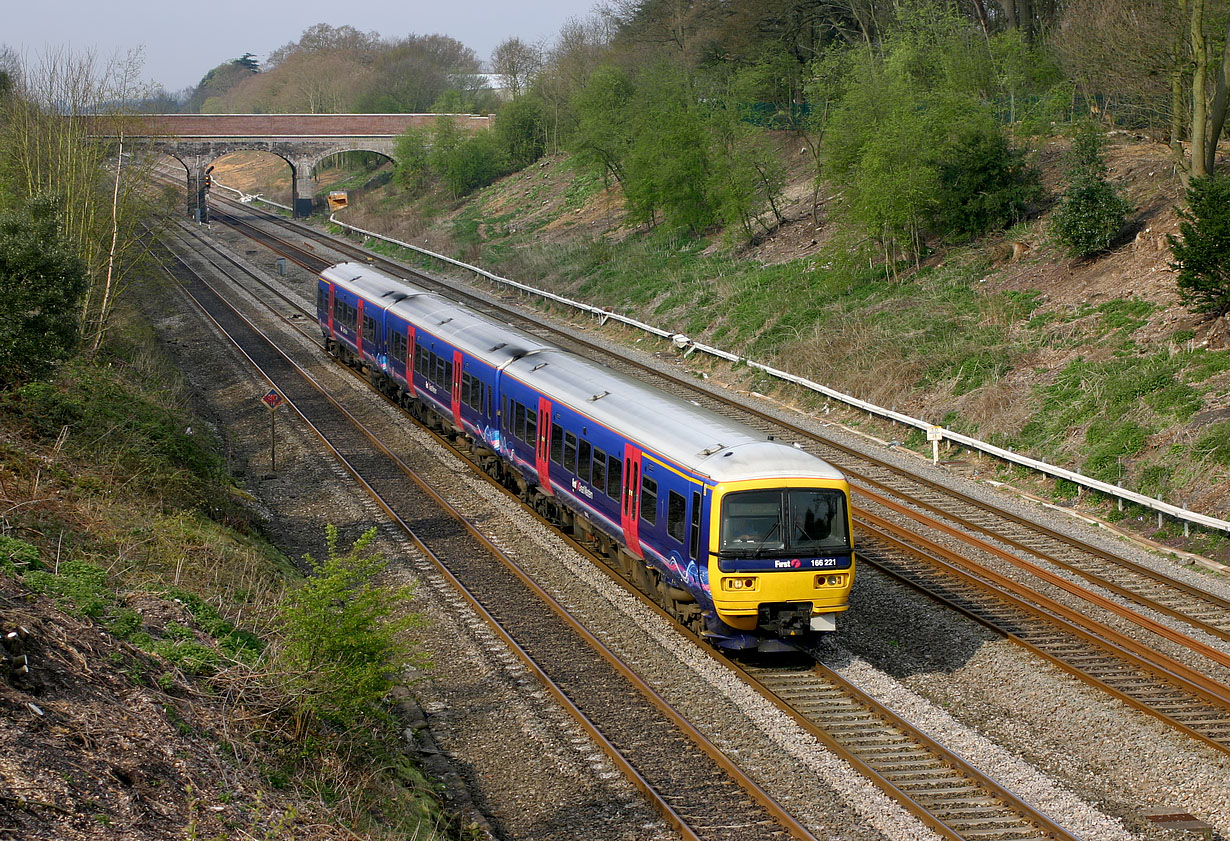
point(273, 400)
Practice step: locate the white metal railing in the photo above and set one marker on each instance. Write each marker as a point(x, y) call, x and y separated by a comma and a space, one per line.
point(245, 198)
point(934, 433)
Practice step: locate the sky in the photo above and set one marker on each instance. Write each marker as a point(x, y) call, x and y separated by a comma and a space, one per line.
point(184, 41)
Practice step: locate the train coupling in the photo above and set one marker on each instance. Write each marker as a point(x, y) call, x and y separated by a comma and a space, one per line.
point(785, 619)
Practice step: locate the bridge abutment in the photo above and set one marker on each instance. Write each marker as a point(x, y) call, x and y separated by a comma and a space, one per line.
point(304, 187)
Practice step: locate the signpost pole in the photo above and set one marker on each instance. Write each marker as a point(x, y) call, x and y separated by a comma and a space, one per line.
point(934, 435)
point(273, 400)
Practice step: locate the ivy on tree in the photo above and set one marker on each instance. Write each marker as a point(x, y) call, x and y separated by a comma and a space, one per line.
point(1202, 256)
point(41, 283)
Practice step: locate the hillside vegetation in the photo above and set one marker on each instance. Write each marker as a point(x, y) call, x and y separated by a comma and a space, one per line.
point(1091, 364)
point(964, 213)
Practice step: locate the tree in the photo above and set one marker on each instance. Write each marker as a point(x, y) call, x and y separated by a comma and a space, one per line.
point(520, 129)
point(322, 37)
point(217, 83)
point(604, 116)
point(42, 282)
point(249, 61)
point(1091, 212)
point(62, 135)
point(517, 62)
point(411, 153)
point(1202, 256)
point(1158, 61)
point(342, 636)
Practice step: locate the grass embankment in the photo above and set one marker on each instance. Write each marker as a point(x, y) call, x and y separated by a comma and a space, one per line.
point(120, 512)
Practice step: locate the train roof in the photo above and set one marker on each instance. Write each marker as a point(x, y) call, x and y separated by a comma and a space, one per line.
point(681, 431)
point(370, 283)
point(495, 343)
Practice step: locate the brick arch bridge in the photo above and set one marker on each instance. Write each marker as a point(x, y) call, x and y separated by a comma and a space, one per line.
point(302, 140)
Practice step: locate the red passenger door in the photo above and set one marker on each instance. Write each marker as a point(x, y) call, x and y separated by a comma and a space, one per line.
point(410, 360)
point(455, 396)
point(358, 331)
point(542, 455)
point(331, 334)
point(630, 505)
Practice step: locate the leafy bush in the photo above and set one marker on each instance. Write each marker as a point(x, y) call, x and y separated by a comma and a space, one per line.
point(984, 184)
point(520, 131)
point(1091, 212)
point(342, 636)
point(411, 152)
point(1202, 256)
point(41, 283)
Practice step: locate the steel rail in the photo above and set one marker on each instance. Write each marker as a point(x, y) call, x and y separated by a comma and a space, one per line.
point(788, 822)
point(911, 802)
point(1145, 622)
point(1064, 619)
point(864, 483)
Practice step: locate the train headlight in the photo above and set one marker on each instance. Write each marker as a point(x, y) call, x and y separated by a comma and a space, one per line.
point(831, 580)
point(743, 583)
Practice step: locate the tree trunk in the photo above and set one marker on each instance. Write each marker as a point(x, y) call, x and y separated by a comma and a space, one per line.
point(1025, 19)
point(1176, 100)
point(115, 235)
point(981, 9)
point(1217, 113)
point(1200, 66)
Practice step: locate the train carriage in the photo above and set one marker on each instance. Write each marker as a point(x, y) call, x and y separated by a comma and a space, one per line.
point(351, 305)
point(746, 540)
point(754, 532)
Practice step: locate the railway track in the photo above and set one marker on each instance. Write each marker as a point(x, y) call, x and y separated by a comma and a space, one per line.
point(1031, 547)
point(694, 786)
point(952, 797)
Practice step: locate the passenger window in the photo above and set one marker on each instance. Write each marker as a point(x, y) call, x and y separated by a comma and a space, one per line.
point(676, 509)
point(531, 428)
point(694, 543)
point(583, 460)
point(649, 500)
point(570, 452)
point(519, 422)
point(599, 471)
point(557, 444)
point(614, 477)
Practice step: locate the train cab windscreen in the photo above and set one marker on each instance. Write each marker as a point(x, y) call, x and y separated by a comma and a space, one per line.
point(795, 522)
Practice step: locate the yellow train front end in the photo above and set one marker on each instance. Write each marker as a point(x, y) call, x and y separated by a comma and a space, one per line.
point(781, 555)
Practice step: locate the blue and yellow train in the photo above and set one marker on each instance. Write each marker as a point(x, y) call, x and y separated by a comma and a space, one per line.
point(745, 540)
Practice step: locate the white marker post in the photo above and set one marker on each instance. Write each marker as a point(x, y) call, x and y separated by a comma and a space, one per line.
point(935, 435)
